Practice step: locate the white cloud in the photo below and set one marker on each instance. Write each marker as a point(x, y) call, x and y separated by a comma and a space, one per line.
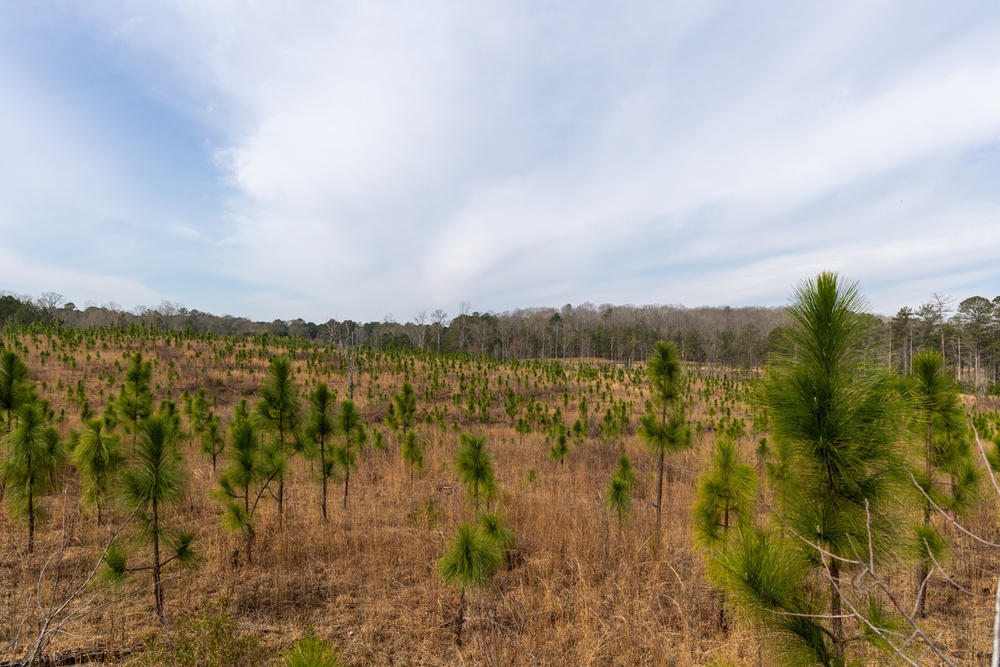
point(909, 123)
point(28, 276)
point(394, 157)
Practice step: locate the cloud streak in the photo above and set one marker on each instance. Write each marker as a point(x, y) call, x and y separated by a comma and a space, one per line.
point(372, 159)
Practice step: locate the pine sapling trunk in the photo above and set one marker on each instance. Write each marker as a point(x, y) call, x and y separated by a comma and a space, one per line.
point(659, 495)
point(924, 569)
point(659, 485)
point(246, 506)
point(281, 480)
point(31, 505)
point(461, 618)
point(250, 545)
point(31, 516)
point(928, 471)
point(923, 573)
point(135, 422)
point(281, 499)
point(723, 623)
point(322, 472)
point(157, 586)
point(836, 611)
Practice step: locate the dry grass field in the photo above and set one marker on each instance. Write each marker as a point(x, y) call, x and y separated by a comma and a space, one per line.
point(578, 587)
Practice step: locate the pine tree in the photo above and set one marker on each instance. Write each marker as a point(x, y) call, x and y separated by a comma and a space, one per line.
point(939, 423)
point(312, 651)
point(154, 481)
point(619, 497)
point(836, 432)
point(135, 401)
point(405, 403)
point(321, 427)
point(97, 454)
point(663, 428)
point(213, 439)
point(494, 527)
point(560, 447)
point(349, 424)
point(726, 493)
point(413, 453)
point(199, 417)
point(625, 472)
point(15, 388)
point(30, 463)
point(474, 466)
point(278, 412)
point(471, 558)
point(248, 474)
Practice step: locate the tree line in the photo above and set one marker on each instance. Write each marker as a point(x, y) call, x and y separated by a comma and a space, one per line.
point(967, 333)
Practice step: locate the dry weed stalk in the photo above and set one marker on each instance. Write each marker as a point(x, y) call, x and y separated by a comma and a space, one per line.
point(365, 580)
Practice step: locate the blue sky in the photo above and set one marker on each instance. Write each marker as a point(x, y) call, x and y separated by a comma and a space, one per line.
point(362, 160)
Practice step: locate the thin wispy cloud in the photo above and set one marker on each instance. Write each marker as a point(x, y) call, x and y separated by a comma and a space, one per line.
point(355, 160)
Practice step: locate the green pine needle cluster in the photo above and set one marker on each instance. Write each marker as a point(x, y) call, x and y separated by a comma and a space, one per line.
point(726, 494)
point(618, 496)
point(474, 466)
point(471, 558)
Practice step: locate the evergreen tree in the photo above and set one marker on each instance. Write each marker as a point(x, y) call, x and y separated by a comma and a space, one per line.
point(153, 482)
point(31, 459)
point(939, 423)
point(97, 454)
point(413, 453)
point(726, 493)
point(560, 447)
point(241, 411)
point(168, 411)
point(619, 493)
point(312, 651)
point(619, 497)
point(765, 579)
point(199, 418)
point(474, 466)
point(405, 403)
point(522, 427)
point(835, 428)
point(278, 412)
point(625, 472)
point(321, 427)
point(471, 558)
point(663, 428)
point(135, 401)
point(213, 439)
point(248, 474)
point(348, 423)
point(494, 527)
point(15, 388)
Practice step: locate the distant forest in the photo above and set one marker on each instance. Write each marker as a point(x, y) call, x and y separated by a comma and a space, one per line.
point(968, 334)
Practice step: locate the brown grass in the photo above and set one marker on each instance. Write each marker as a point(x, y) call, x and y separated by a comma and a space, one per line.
point(578, 590)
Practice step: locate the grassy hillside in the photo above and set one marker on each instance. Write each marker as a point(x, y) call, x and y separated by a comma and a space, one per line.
point(578, 586)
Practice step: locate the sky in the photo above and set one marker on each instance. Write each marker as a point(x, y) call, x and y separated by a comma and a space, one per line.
point(370, 160)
